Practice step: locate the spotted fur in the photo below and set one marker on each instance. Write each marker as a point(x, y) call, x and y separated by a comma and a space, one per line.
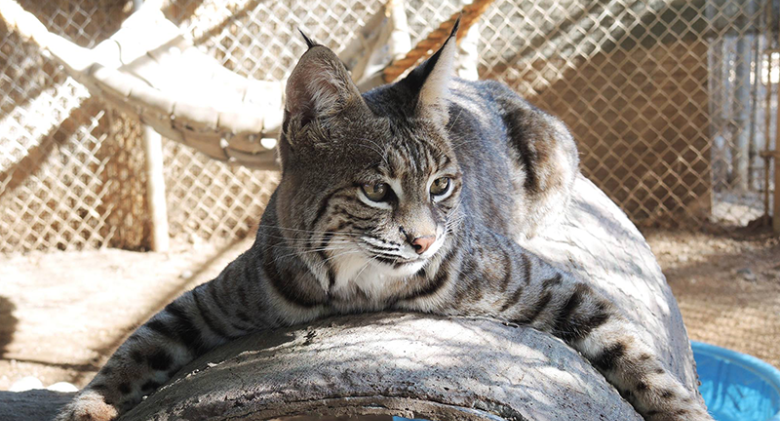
point(323, 247)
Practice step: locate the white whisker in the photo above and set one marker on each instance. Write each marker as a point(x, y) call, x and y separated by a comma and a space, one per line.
point(299, 252)
point(302, 230)
point(370, 259)
point(324, 261)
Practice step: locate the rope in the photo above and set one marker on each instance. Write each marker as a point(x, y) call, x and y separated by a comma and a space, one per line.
point(425, 48)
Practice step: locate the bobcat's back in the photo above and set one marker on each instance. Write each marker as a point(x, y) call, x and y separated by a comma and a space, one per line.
point(508, 145)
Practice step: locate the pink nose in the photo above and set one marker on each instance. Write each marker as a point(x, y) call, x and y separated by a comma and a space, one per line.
point(421, 244)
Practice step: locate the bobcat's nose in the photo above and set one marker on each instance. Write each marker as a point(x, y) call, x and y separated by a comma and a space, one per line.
point(421, 244)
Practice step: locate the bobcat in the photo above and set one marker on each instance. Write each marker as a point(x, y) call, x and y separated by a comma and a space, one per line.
point(409, 197)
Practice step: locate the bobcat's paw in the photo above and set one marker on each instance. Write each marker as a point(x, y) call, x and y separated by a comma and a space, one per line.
point(88, 406)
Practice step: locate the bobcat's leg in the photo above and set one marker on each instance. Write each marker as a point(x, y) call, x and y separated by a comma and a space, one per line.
point(557, 303)
point(230, 306)
point(537, 294)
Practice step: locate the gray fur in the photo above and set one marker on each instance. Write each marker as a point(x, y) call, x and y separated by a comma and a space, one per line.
point(322, 248)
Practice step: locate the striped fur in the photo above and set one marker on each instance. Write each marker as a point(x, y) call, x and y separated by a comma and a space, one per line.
point(324, 247)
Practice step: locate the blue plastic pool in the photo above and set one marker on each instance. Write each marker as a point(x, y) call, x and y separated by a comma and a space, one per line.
point(737, 387)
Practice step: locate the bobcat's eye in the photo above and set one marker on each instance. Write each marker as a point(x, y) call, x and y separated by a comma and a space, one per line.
point(440, 186)
point(377, 192)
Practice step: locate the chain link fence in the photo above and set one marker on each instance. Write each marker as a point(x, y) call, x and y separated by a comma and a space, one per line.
point(71, 172)
point(667, 99)
point(665, 110)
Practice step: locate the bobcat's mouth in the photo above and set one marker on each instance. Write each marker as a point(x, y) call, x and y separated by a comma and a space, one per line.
point(398, 261)
point(398, 255)
point(399, 267)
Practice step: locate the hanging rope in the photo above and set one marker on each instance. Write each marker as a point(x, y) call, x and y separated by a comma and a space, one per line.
point(469, 15)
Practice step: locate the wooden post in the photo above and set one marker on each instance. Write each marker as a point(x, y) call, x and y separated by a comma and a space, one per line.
point(767, 109)
point(155, 189)
point(740, 116)
point(753, 148)
point(776, 198)
point(155, 181)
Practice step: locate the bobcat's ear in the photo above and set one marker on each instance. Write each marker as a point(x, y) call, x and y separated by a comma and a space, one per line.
point(430, 80)
point(318, 87)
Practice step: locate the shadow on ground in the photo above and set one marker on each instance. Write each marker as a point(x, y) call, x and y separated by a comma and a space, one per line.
point(33, 405)
point(8, 324)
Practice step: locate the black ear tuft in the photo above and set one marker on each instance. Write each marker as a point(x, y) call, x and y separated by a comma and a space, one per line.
point(455, 27)
point(428, 82)
point(418, 76)
point(310, 43)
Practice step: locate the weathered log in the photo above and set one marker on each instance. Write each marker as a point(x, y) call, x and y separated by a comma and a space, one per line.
point(438, 368)
point(403, 364)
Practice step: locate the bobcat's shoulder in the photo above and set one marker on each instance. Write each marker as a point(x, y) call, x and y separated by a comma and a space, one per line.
point(501, 139)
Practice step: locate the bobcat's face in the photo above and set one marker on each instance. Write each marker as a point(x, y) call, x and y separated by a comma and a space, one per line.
point(409, 195)
point(377, 199)
point(398, 209)
point(370, 186)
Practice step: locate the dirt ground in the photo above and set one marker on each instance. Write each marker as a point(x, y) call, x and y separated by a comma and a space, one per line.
point(62, 314)
point(727, 286)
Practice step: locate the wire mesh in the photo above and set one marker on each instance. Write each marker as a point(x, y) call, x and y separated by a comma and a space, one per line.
point(70, 170)
point(666, 100)
point(634, 82)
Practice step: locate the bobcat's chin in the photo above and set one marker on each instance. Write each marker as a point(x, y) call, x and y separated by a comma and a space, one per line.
point(374, 279)
point(376, 276)
point(401, 267)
